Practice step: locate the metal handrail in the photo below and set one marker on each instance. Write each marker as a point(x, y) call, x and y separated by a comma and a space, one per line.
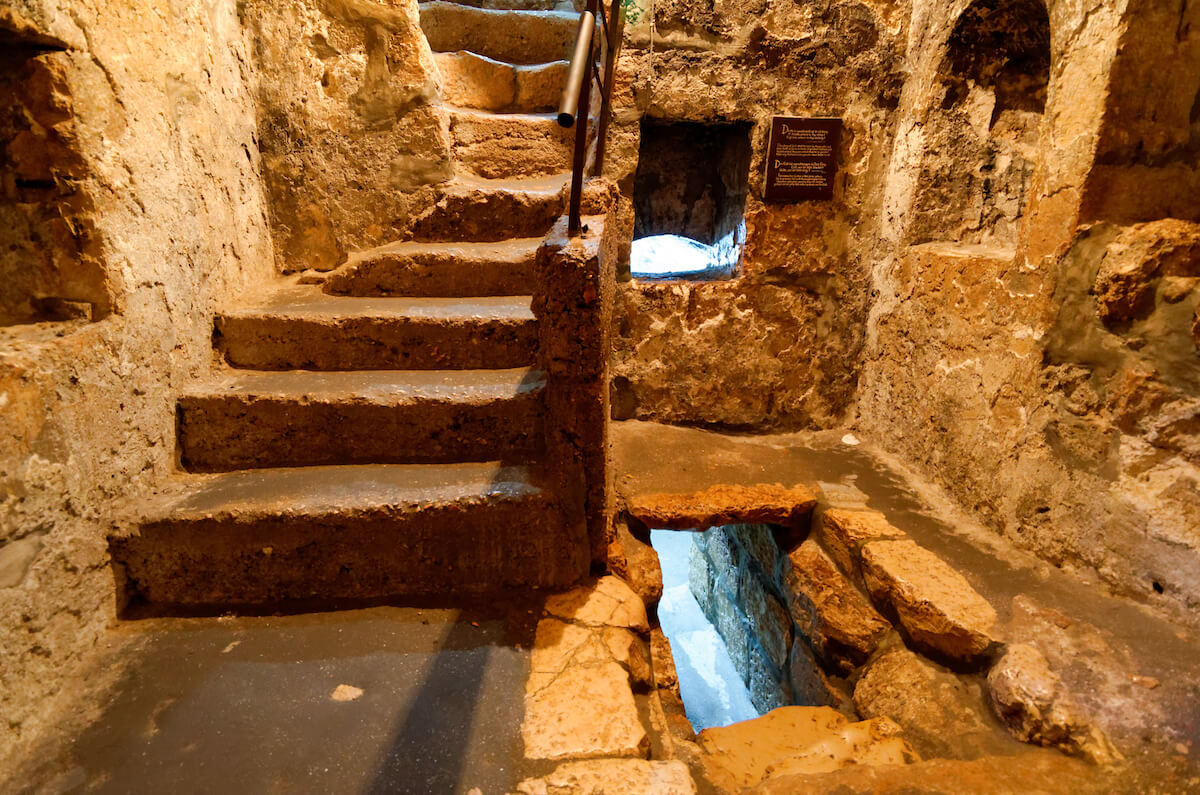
point(576, 98)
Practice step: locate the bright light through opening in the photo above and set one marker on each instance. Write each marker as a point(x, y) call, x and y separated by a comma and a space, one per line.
point(678, 257)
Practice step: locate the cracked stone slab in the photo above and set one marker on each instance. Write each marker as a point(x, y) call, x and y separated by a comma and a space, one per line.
point(586, 711)
point(613, 777)
point(933, 602)
point(725, 504)
point(606, 602)
point(559, 644)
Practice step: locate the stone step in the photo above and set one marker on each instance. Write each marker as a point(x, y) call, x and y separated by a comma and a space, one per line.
point(483, 210)
point(515, 36)
point(305, 418)
point(262, 537)
point(475, 81)
point(439, 269)
point(505, 145)
point(301, 328)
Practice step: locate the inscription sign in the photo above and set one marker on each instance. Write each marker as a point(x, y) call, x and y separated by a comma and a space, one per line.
point(802, 159)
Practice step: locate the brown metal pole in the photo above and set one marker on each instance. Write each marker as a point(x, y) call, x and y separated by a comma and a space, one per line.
point(610, 62)
point(574, 212)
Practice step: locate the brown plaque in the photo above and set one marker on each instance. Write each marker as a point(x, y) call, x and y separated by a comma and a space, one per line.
point(802, 159)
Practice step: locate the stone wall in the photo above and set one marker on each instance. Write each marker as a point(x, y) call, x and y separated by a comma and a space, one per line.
point(157, 171)
point(351, 139)
point(777, 345)
point(737, 575)
point(1050, 383)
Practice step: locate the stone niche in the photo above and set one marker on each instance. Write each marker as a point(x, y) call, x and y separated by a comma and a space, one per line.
point(47, 268)
point(982, 140)
point(692, 180)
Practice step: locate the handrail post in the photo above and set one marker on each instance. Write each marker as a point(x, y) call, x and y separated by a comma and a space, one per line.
point(579, 166)
point(615, 20)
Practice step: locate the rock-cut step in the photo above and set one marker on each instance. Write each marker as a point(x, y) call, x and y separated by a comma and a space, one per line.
point(263, 537)
point(462, 270)
point(504, 145)
point(513, 36)
point(305, 418)
point(485, 210)
point(302, 328)
point(476, 81)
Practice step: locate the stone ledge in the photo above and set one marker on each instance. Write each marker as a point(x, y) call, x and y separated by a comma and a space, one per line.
point(722, 505)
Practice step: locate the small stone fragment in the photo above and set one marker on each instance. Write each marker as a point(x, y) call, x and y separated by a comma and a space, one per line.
point(837, 620)
point(934, 603)
point(346, 693)
point(1030, 699)
point(725, 505)
point(613, 777)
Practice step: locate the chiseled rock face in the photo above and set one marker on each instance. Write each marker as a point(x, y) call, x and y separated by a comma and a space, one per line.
point(725, 505)
point(934, 603)
point(793, 740)
point(1031, 700)
point(1136, 260)
point(607, 602)
point(942, 714)
point(844, 533)
point(838, 620)
point(613, 777)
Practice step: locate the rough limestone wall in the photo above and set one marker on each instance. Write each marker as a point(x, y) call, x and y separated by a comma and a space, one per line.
point(1053, 388)
point(777, 346)
point(164, 123)
point(352, 147)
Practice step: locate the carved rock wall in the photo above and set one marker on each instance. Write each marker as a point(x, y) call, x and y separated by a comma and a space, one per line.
point(1049, 385)
point(153, 104)
point(777, 345)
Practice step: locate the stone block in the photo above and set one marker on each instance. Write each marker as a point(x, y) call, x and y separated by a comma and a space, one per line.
point(810, 686)
point(935, 604)
point(663, 661)
point(725, 505)
point(700, 577)
point(759, 542)
point(837, 620)
point(608, 601)
point(769, 621)
point(637, 563)
point(731, 625)
point(584, 711)
point(843, 533)
point(797, 739)
point(767, 684)
point(612, 777)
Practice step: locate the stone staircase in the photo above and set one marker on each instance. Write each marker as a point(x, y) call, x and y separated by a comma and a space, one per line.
point(382, 431)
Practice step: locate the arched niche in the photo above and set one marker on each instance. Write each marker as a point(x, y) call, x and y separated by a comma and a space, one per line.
point(982, 131)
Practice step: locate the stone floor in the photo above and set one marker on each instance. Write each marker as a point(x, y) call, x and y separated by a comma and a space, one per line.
point(404, 699)
point(1136, 672)
point(385, 699)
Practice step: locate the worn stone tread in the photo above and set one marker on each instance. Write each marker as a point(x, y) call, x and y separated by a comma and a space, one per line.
point(446, 270)
point(352, 532)
point(301, 327)
point(304, 418)
point(512, 35)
